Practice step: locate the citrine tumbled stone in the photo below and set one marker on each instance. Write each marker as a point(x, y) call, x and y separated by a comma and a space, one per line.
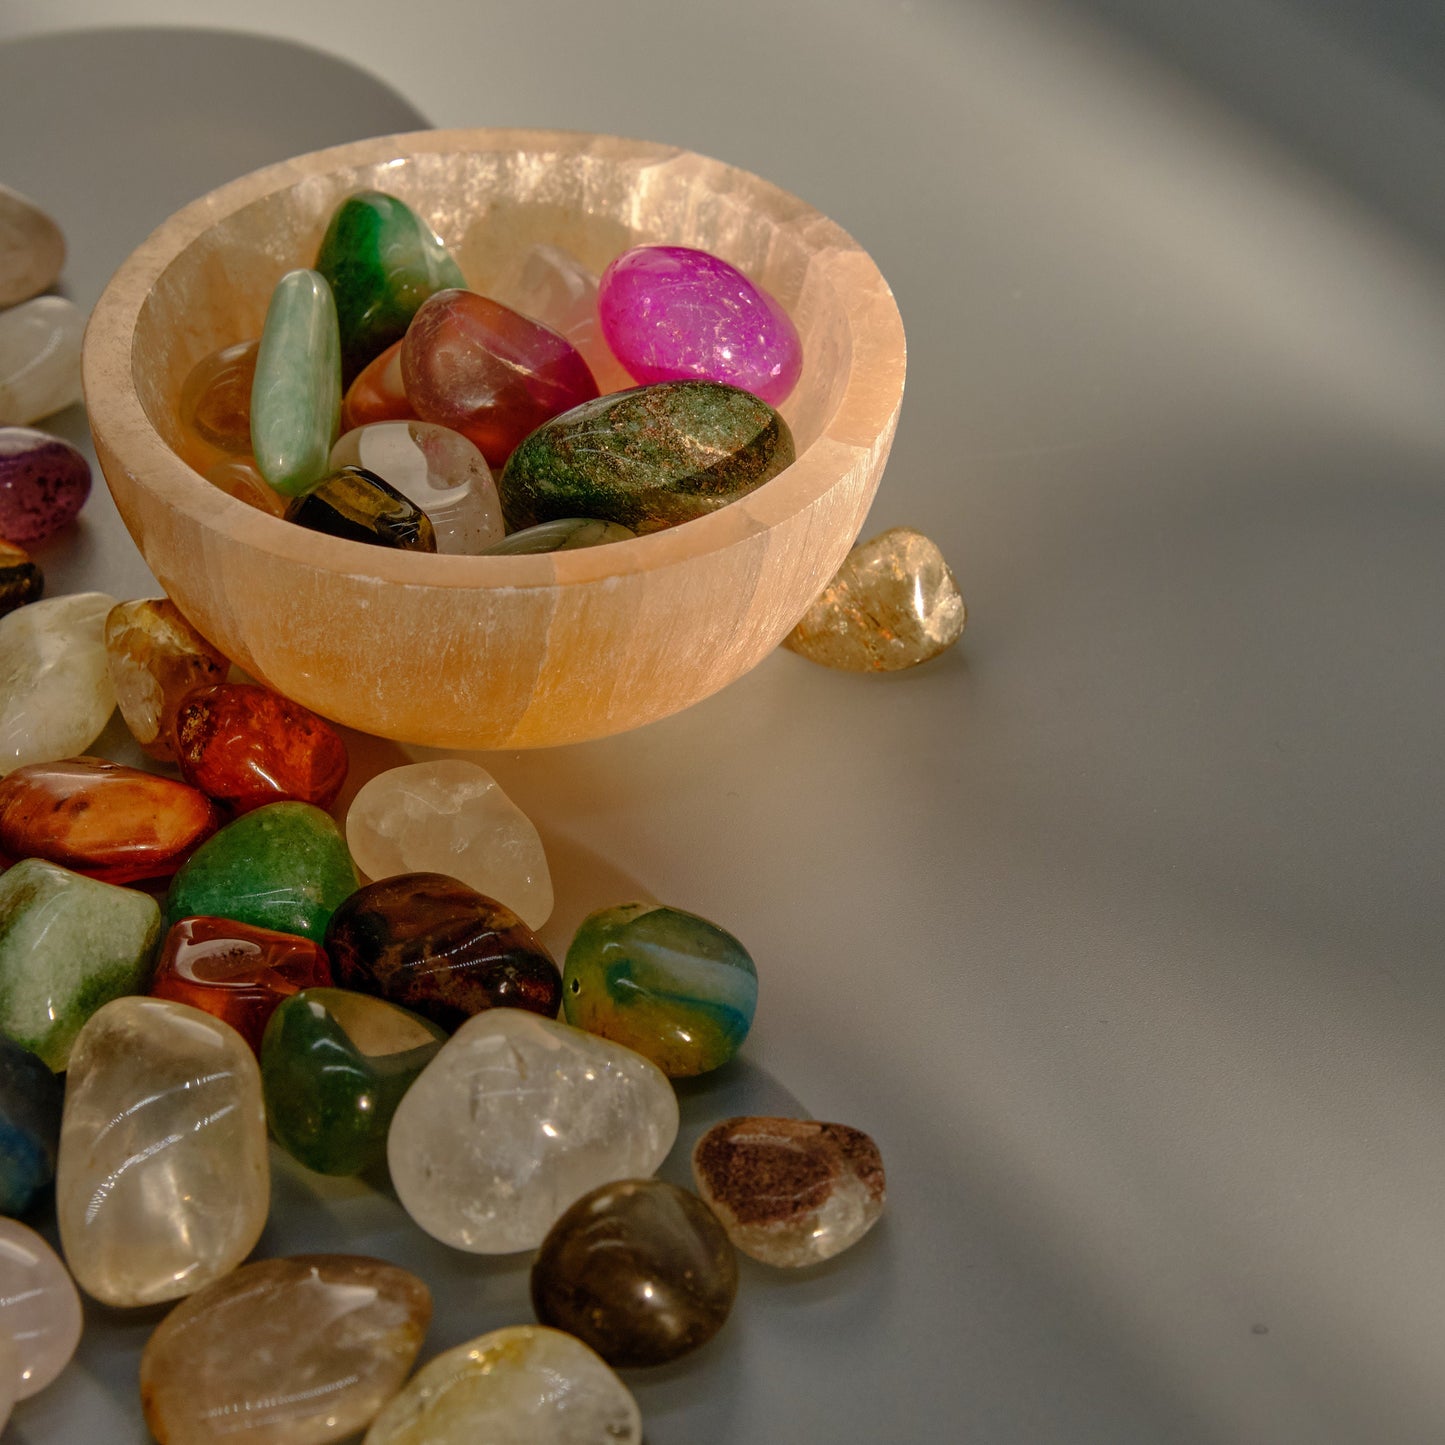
point(216, 397)
point(98, 818)
point(250, 746)
point(236, 971)
point(361, 507)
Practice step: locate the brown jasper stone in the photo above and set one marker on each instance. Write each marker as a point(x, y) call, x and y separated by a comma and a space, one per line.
point(106, 821)
point(790, 1192)
point(21, 581)
point(639, 1270)
point(216, 399)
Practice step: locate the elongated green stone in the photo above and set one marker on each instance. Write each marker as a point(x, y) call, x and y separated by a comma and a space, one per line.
point(296, 396)
point(647, 458)
point(67, 945)
point(334, 1066)
point(382, 261)
point(284, 866)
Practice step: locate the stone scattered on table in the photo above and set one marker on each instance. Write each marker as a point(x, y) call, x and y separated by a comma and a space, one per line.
point(283, 866)
point(32, 248)
point(216, 397)
point(790, 1192)
point(249, 746)
point(67, 945)
point(378, 393)
point(639, 1270)
point(514, 1119)
point(155, 657)
point(21, 581)
point(671, 985)
point(524, 1385)
point(239, 477)
point(39, 360)
point(648, 458)
point(450, 816)
point(292, 1351)
point(334, 1066)
point(562, 535)
point(432, 944)
point(893, 604)
point(359, 506)
point(30, 1100)
point(236, 972)
point(39, 1307)
point(44, 482)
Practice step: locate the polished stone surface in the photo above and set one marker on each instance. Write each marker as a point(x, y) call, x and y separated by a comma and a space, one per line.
point(39, 1307)
point(44, 482)
point(239, 477)
point(30, 1100)
point(560, 535)
point(378, 394)
point(21, 580)
point(216, 397)
point(32, 248)
point(360, 506)
point(39, 359)
point(517, 1117)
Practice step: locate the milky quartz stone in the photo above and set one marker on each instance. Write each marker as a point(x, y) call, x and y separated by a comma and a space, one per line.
point(284, 1352)
point(525, 1385)
point(39, 1306)
point(436, 468)
point(55, 689)
point(451, 817)
point(515, 1118)
point(163, 1182)
point(32, 248)
point(39, 358)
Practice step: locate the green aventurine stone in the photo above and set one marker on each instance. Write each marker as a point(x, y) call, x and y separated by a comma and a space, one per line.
point(382, 261)
point(334, 1066)
point(284, 866)
point(647, 458)
point(296, 396)
point(67, 945)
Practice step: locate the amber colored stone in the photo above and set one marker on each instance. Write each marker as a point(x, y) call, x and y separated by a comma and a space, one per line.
point(155, 658)
point(236, 971)
point(378, 393)
point(216, 397)
point(639, 1270)
point(249, 746)
point(98, 818)
point(241, 478)
point(21, 581)
point(441, 949)
point(489, 372)
point(362, 507)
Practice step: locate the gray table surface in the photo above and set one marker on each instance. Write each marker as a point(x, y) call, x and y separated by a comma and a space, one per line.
point(1119, 927)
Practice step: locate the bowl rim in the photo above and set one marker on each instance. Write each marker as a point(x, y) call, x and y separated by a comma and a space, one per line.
point(862, 420)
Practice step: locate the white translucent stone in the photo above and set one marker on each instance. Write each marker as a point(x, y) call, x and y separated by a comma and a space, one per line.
point(516, 1118)
point(451, 817)
point(526, 1385)
point(55, 689)
point(438, 469)
point(32, 249)
point(163, 1178)
point(39, 359)
point(39, 1307)
point(9, 1378)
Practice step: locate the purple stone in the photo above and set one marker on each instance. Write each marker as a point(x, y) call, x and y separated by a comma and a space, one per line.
point(43, 483)
point(671, 313)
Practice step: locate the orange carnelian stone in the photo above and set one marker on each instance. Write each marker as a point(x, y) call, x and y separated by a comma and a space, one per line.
point(377, 394)
point(249, 746)
point(106, 821)
point(236, 972)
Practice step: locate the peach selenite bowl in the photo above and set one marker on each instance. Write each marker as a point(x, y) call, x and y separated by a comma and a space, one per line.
point(495, 652)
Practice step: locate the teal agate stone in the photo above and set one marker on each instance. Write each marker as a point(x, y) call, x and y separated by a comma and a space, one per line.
point(30, 1100)
point(679, 990)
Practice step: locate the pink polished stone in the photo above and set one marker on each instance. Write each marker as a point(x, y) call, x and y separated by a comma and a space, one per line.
point(489, 372)
point(43, 483)
point(671, 313)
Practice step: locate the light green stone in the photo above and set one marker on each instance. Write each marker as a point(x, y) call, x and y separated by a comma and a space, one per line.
point(296, 397)
point(68, 945)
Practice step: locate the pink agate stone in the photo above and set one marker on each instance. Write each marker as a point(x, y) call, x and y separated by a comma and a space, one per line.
point(671, 313)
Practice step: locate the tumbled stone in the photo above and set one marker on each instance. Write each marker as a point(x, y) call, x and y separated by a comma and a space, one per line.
point(893, 604)
point(334, 1066)
point(43, 484)
point(484, 370)
point(30, 1099)
point(32, 248)
point(436, 469)
point(239, 477)
point(98, 818)
point(163, 1183)
point(39, 1307)
point(289, 1351)
point(561, 535)
point(790, 1192)
point(283, 866)
point(21, 581)
point(55, 690)
point(524, 1385)
point(638, 1269)
point(432, 944)
point(514, 1119)
point(235, 971)
point(216, 397)
point(359, 506)
point(249, 746)
point(155, 657)
point(378, 393)
point(39, 359)
point(67, 945)
point(672, 313)
point(451, 817)
point(648, 458)
point(671, 985)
